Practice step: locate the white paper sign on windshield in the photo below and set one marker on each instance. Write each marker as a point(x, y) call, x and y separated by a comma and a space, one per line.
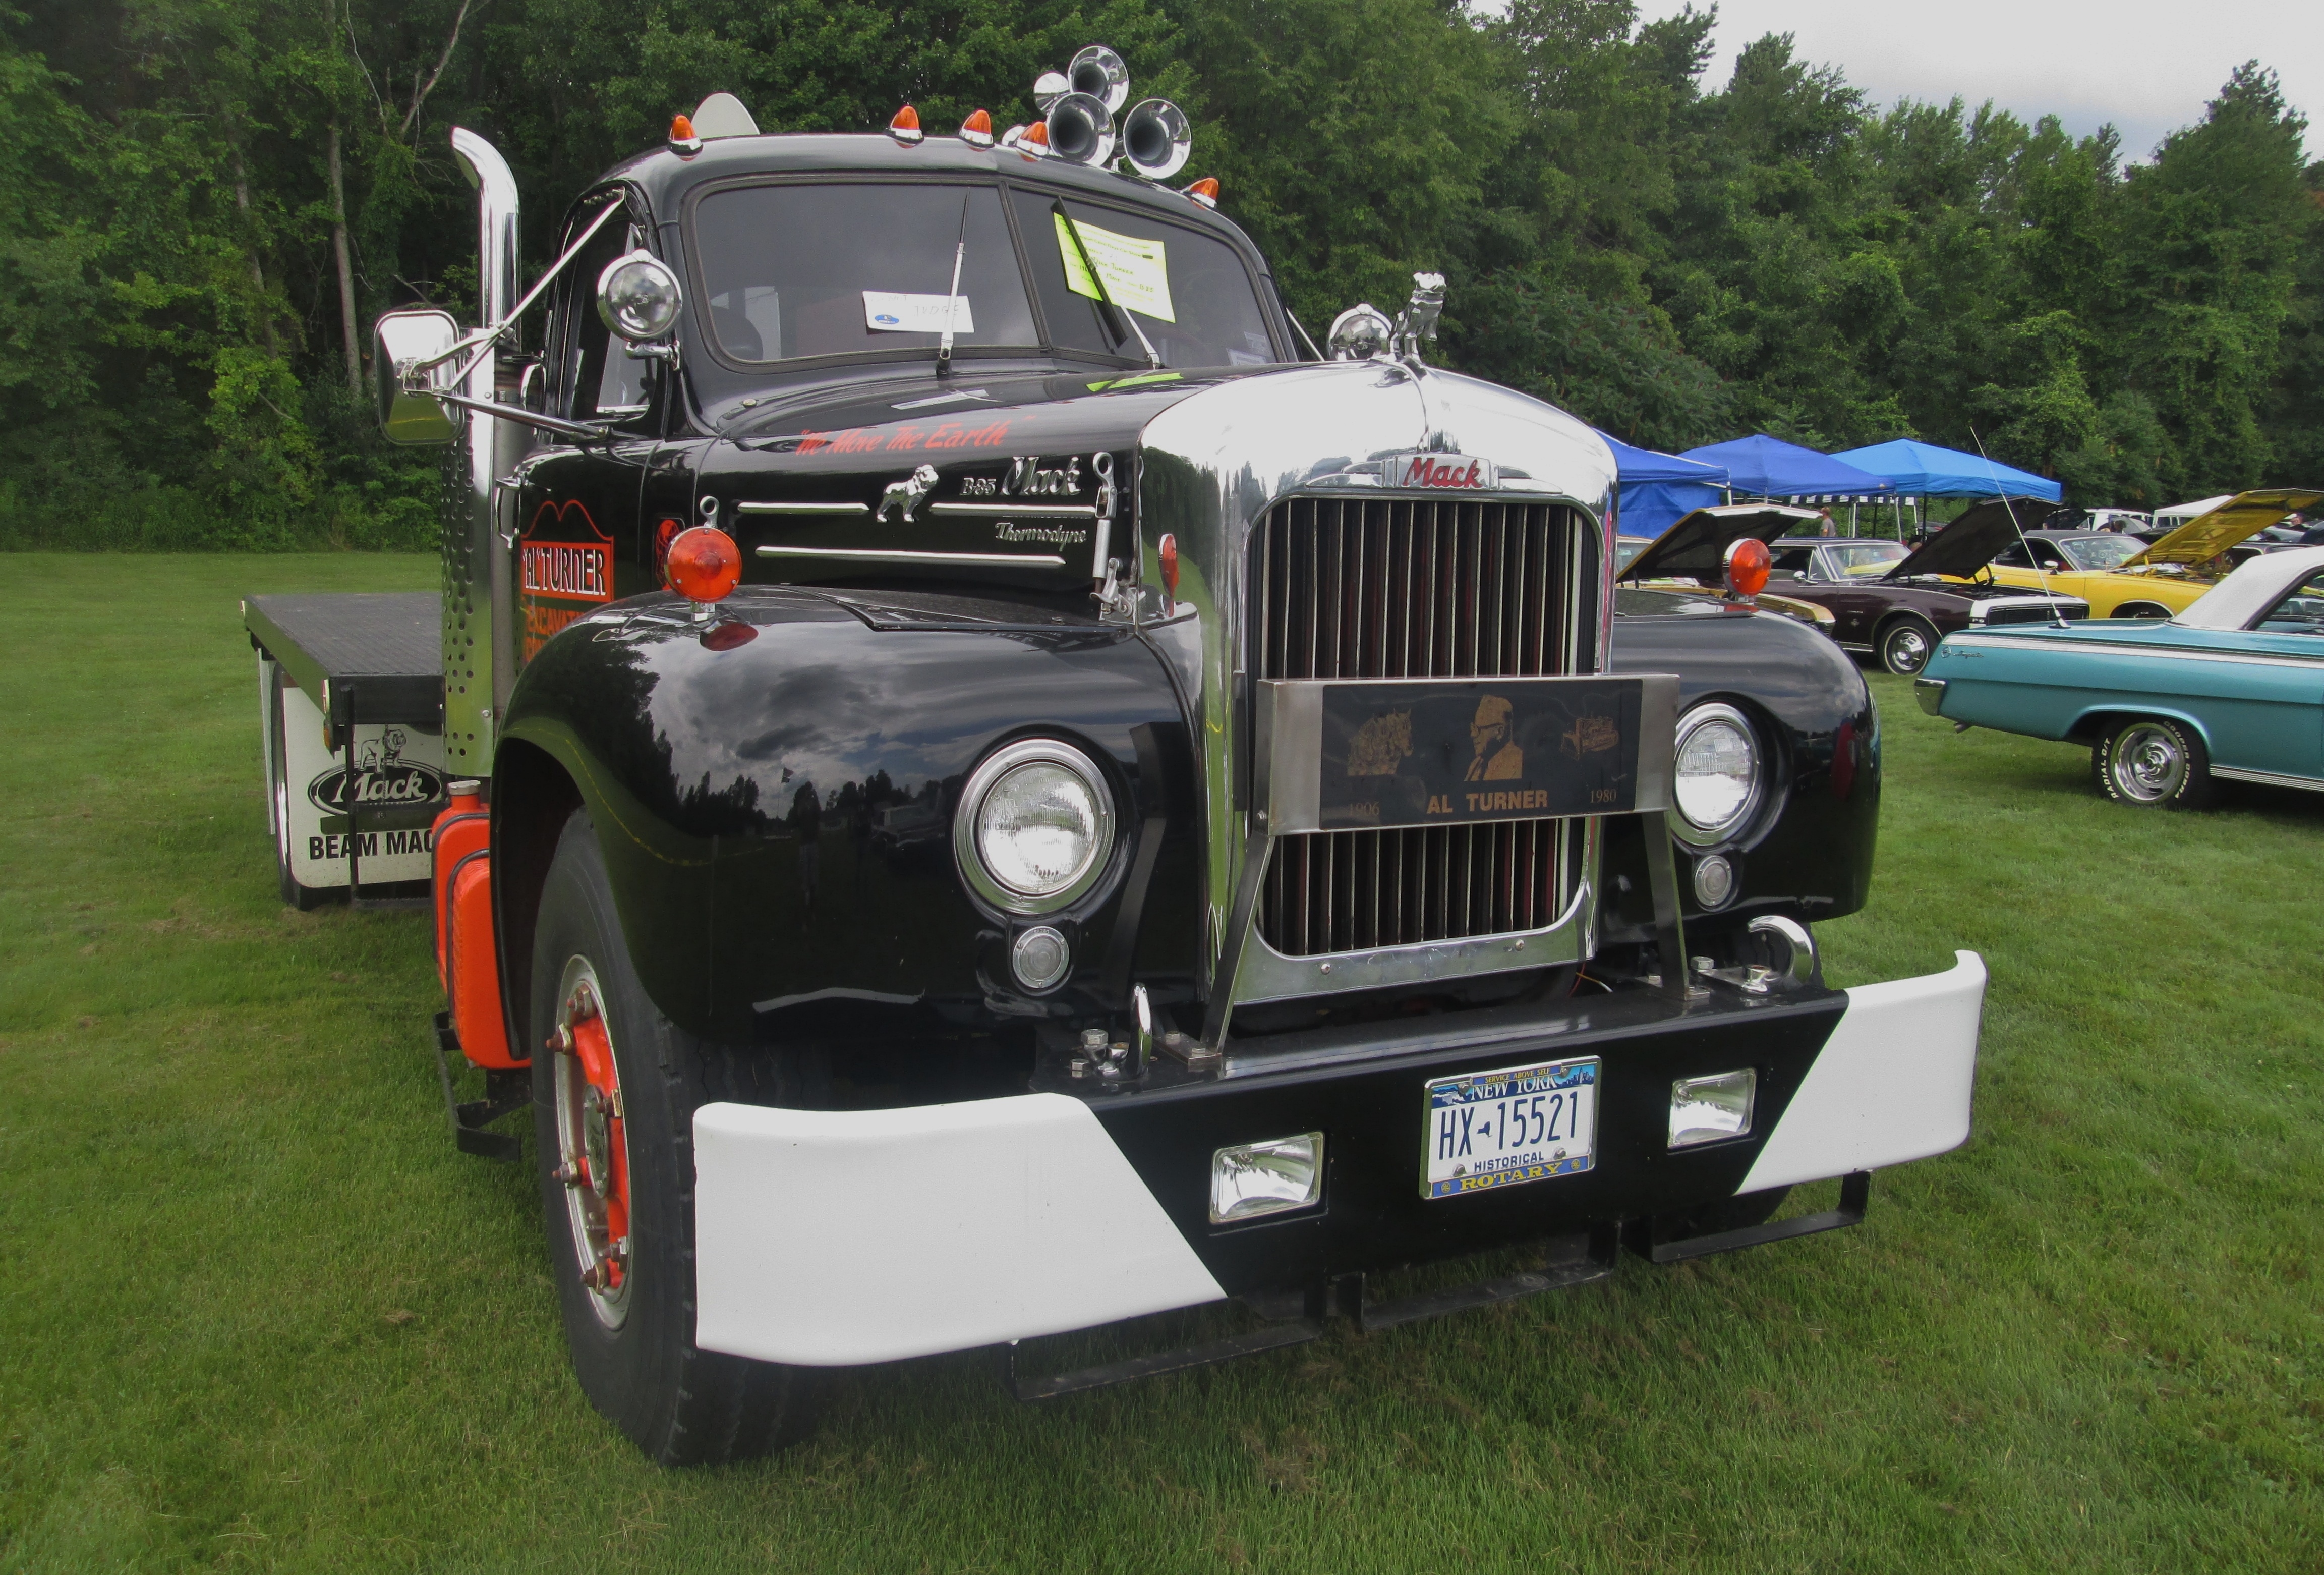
point(1137, 273)
point(887, 312)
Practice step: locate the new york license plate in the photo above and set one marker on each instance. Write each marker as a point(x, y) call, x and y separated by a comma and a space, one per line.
point(1505, 1127)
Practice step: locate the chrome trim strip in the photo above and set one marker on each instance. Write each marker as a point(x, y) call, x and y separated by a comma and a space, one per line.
point(2175, 652)
point(1074, 511)
point(802, 508)
point(876, 555)
point(2269, 778)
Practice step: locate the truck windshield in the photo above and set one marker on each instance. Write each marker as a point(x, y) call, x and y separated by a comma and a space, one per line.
point(810, 269)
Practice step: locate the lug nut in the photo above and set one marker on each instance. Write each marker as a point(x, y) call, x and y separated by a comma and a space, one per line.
point(570, 1173)
point(562, 1042)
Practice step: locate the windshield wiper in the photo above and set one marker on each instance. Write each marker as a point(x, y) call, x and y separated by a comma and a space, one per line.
point(1116, 314)
point(952, 296)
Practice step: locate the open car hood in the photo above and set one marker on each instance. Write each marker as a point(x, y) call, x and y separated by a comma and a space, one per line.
point(1971, 542)
point(1696, 545)
point(2242, 516)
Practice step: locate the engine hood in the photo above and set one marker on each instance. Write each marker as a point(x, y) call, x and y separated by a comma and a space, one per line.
point(992, 478)
point(1971, 542)
point(2241, 517)
point(1695, 547)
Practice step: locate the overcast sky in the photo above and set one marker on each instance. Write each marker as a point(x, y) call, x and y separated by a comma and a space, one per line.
point(2146, 65)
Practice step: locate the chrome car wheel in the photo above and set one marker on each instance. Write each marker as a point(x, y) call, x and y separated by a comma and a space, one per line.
point(2151, 761)
point(1906, 647)
point(2147, 762)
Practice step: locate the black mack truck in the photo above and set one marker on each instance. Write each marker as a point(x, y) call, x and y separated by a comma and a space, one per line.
point(975, 784)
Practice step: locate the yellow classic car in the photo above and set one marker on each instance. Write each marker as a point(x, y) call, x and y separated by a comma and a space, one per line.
point(2123, 578)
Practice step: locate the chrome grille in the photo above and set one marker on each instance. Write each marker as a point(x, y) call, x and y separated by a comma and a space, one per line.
point(1381, 587)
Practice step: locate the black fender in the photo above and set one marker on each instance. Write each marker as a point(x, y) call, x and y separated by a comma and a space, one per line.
point(1807, 853)
point(774, 789)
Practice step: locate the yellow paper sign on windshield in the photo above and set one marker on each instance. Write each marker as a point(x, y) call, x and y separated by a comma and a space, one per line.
point(1137, 273)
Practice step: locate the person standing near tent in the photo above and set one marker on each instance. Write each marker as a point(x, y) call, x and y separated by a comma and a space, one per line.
point(1826, 528)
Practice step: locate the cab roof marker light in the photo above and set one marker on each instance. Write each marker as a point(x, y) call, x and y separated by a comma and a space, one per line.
point(1035, 142)
point(681, 134)
point(1204, 191)
point(976, 131)
point(905, 127)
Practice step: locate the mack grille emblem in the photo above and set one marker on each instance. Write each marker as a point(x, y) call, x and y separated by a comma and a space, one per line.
point(1441, 472)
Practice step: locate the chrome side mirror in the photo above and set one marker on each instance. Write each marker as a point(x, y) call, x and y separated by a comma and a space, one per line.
point(1361, 333)
point(413, 417)
point(639, 297)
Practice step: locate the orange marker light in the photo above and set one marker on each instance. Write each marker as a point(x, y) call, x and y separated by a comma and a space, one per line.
point(704, 564)
point(1747, 563)
point(682, 136)
point(1205, 191)
point(905, 127)
point(1167, 551)
point(1038, 133)
point(976, 131)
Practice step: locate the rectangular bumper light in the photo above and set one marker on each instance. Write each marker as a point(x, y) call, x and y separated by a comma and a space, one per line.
point(1712, 1109)
point(1251, 1179)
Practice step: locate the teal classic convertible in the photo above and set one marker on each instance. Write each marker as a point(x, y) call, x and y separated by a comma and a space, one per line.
point(2233, 687)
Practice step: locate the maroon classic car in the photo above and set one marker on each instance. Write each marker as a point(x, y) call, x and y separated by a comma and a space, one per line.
point(1884, 601)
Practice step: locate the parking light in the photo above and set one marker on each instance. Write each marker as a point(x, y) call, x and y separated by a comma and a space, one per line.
point(1249, 1180)
point(705, 565)
point(1712, 1109)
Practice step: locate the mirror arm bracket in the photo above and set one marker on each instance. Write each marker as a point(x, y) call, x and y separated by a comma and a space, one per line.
point(508, 412)
point(475, 346)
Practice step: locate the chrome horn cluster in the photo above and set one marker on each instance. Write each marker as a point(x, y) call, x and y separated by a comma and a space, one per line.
point(1078, 105)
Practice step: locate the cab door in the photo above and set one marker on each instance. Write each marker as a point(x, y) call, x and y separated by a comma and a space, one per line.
point(577, 505)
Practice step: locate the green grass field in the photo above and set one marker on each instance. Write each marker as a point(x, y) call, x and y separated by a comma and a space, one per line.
point(258, 1311)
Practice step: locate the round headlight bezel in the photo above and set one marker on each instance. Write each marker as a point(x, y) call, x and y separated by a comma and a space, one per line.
point(968, 825)
point(1684, 826)
point(619, 312)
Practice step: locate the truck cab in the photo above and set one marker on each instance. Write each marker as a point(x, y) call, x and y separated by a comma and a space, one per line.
point(1012, 770)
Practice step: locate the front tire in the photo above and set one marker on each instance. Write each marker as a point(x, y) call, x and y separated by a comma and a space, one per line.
point(614, 1088)
point(2154, 762)
point(1906, 645)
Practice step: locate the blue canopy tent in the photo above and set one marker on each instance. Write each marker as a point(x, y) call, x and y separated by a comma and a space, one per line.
point(1925, 470)
point(1760, 465)
point(1656, 490)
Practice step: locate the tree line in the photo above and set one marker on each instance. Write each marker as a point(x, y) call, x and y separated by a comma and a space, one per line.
point(206, 201)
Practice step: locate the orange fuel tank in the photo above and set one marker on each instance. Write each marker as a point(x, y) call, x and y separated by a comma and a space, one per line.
point(473, 969)
point(462, 828)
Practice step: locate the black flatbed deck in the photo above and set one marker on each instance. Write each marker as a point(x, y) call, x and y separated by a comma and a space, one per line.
point(360, 656)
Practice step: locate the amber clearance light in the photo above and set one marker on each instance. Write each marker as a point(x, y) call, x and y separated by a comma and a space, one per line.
point(1747, 563)
point(704, 564)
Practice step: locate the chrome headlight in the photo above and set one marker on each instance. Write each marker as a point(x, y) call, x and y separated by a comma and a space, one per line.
point(1717, 780)
point(1036, 824)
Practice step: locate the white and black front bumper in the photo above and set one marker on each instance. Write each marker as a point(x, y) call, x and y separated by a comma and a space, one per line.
point(837, 1237)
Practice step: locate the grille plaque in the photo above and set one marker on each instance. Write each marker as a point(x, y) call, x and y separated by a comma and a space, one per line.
point(1358, 754)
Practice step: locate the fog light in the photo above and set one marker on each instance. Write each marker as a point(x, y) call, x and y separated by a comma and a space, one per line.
point(1711, 1109)
point(1714, 881)
point(1251, 1179)
point(1040, 958)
